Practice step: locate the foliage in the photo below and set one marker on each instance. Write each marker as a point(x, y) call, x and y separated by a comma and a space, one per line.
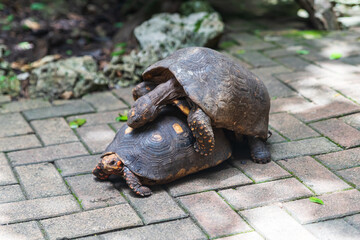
point(77, 122)
point(316, 200)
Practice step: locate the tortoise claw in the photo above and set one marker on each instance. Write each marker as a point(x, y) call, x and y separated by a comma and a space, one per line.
point(143, 191)
point(258, 150)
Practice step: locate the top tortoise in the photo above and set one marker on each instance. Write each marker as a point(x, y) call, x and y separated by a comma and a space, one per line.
point(220, 93)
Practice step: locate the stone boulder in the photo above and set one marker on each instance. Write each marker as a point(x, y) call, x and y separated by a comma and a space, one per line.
point(72, 77)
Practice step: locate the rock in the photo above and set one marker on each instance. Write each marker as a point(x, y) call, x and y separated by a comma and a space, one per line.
point(77, 75)
point(162, 35)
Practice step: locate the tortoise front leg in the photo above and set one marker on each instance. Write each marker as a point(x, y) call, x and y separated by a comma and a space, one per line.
point(258, 150)
point(99, 173)
point(200, 125)
point(147, 107)
point(134, 183)
point(142, 88)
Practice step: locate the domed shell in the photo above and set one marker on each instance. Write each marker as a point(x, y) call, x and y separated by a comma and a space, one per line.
point(163, 150)
point(232, 96)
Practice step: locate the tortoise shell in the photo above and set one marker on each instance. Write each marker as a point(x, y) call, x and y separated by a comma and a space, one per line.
point(232, 96)
point(162, 151)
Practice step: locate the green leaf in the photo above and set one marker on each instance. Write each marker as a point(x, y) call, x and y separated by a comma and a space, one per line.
point(69, 41)
point(335, 56)
point(2, 6)
point(122, 117)
point(37, 6)
point(119, 25)
point(7, 53)
point(77, 122)
point(199, 22)
point(2, 78)
point(316, 200)
point(25, 46)
point(241, 51)
point(227, 44)
point(118, 53)
point(121, 45)
point(303, 52)
point(10, 18)
point(6, 28)
point(68, 52)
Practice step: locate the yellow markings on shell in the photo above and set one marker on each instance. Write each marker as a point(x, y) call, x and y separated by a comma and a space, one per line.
point(218, 162)
point(176, 102)
point(184, 109)
point(157, 137)
point(178, 129)
point(180, 173)
point(132, 113)
point(147, 88)
point(128, 130)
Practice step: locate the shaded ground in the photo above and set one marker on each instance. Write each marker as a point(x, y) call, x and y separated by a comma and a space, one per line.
point(47, 190)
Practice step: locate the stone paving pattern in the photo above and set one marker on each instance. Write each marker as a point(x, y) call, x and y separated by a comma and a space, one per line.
point(47, 190)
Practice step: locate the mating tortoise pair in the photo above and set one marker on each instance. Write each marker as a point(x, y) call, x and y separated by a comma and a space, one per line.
point(213, 91)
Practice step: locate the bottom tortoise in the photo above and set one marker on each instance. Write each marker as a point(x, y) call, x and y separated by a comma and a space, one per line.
point(157, 153)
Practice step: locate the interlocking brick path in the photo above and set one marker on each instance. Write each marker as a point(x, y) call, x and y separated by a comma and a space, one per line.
point(47, 190)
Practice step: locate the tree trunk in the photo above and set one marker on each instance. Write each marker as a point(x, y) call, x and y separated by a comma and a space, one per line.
point(321, 14)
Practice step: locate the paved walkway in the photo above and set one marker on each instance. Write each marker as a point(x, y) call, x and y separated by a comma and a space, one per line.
point(47, 190)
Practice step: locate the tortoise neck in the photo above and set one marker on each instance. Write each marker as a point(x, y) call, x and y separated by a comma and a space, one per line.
point(166, 92)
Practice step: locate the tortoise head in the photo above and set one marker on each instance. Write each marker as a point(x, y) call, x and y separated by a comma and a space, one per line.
point(143, 111)
point(111, 163)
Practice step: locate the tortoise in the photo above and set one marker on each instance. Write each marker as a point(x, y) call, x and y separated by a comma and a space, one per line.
point(220, 92)
point(157, 153)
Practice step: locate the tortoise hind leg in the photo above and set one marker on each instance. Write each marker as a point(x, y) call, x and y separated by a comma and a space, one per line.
point(142, 88)
point(200, 125)
point(134, 183)
point(258, 149)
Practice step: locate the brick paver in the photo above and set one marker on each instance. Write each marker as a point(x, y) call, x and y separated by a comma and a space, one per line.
point(97, 118)
point(21, 231)
point(352, 175)
point(310, 146)
point(353, 120)
point(291, 127)
point(341, 160)
point(354, 220)
point(104, 101)
point(7, 175)
point(213, 214)
point(339, 132)
point(47, 190)
point(47, 154)
point(265, 193)
point(244, 236)
point(219, 177)
point(158, 207)
point(41, 180)
point(54, 131)
point(93, 193)
point(13, 124)
point(314, 175)
point(184, 228)
point(19, 142)
point(97, 138)
point(274, 223)
point(78, 225)
point(77, 165)
point(76, 107)
point(23, 105)
point(335, 205)
point(261, 172)
point(333, 230)
point(125, 94)
point(332, 109)
point(11, 193)
point(37, 209)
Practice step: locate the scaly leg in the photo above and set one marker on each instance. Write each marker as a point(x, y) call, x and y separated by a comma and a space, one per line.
point(258, 149)
point(200, 125)
point(134, 183)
